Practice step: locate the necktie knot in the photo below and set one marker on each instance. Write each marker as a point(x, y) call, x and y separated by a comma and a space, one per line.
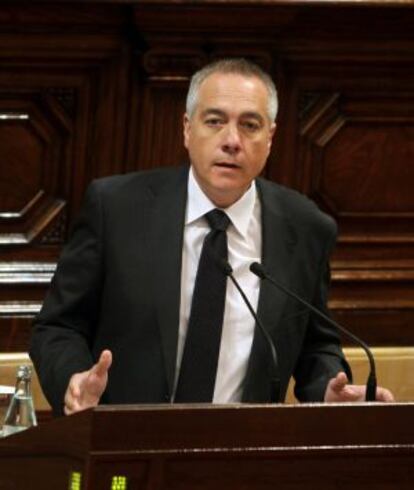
point(218, 220)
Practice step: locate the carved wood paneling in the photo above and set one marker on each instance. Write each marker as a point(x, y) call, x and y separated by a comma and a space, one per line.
point(163, 135)
point(63, 124)
point(356, 150)
point(368, 140)
point(96, 88)
point(32, 142)
point(15, 333)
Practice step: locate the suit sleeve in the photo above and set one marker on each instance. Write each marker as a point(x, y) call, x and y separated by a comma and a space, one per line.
point(62, 332)
point(321, 357)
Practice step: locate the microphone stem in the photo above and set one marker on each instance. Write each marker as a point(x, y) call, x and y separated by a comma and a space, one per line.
point(372, 381)
point(275, 381)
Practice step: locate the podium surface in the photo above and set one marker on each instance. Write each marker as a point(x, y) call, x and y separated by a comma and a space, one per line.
point(179, 447)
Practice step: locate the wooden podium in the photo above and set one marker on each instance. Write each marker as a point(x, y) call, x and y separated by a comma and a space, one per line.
point(236, 447)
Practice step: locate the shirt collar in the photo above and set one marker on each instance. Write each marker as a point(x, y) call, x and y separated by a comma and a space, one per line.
point(240, 213)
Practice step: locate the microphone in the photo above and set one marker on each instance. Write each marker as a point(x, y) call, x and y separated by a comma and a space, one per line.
point(275, 381)
point(371, 385)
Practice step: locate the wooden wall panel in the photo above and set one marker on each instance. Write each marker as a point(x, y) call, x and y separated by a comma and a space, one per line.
point(355, 159)
point(97, 87)
point(63, 102)
point(161, 123)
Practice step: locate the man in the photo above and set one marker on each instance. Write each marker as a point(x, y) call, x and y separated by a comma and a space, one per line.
point(113, 328)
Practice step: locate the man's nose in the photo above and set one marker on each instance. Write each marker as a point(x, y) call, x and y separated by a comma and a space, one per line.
point(231, 143)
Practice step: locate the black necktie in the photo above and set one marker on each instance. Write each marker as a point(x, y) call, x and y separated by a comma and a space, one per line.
point(202, 345)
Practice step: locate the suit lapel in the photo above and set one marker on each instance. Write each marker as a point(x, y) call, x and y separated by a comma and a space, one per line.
point(166, 221)
point(278, 244)
point(279, 241)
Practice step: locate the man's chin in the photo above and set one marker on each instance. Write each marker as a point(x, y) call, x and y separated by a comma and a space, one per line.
point(224, 194)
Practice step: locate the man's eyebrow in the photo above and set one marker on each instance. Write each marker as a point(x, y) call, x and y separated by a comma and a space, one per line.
point(253, 115)
point(219, 112)
point(213, 111)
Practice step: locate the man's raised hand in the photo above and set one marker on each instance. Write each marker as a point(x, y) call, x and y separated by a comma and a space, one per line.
point(338, 390)
point(85, 389)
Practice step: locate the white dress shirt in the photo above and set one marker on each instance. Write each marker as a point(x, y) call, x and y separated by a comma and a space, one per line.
point(244, 247)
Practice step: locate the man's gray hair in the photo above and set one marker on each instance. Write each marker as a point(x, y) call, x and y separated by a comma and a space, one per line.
point(239, 66)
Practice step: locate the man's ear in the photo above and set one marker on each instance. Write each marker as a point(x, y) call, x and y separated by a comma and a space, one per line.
point(186, 129)
point(272, 132)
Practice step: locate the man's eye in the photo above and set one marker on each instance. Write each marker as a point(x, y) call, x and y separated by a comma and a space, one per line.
point(213, 121)
point(251, 126)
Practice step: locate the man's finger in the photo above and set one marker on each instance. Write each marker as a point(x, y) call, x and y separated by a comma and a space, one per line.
point(104, 363)
point(75, 384)
point(97, 380)
point(70, 404)
point(74, 387)
point(338, 383)
point(71, 407)
point(384, 395)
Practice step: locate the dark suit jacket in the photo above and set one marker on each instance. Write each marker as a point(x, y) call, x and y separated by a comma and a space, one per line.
point(117, 286)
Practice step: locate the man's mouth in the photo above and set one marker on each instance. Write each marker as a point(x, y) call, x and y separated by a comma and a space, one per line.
point(227, 165)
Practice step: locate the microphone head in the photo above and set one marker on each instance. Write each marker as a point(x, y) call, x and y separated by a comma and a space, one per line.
point(257, 269)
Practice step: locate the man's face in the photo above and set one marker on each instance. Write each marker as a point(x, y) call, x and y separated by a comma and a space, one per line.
point(229, 135)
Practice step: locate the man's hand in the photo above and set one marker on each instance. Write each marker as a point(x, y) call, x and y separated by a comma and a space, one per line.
point(85, 389)
point(338, 390)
